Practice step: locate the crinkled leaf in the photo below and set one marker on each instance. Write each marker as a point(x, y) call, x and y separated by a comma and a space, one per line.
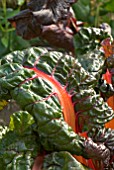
point(53, 87)
point(62, 160)
point(87, 49)
point(20, 121)
point(29, 91)
point(18, 151)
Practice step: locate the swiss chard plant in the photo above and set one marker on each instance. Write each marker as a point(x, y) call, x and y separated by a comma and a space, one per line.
point(64, 117)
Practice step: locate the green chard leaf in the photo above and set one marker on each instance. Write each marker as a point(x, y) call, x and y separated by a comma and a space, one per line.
point(19, 147)
point(49, 86)
point(87, 49)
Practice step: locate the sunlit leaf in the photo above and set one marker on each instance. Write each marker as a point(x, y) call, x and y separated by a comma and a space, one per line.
point(21, 2)
point(20, 121)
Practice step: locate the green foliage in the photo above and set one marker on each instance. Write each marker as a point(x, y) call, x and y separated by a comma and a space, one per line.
point(9, 41)
point(20, 121)
point(95, 12)
point(82, 10)
point(38, 79)
point(18, 144)
point(87, 45)
point(52, 162)
point(109, 6)
point(42, 112)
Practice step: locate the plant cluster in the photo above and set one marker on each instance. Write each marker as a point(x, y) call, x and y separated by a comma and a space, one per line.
point(61, 92)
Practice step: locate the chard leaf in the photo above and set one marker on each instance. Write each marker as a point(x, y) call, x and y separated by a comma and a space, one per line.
point(58, 93)
point(87, 49)
point(18, 151)
point(20, 121)
point(37, 86)
point(62, 160)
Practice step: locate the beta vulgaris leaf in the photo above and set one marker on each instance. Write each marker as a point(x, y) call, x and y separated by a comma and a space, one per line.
point(62, 96)
point(108, 48)
point(49, 85)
